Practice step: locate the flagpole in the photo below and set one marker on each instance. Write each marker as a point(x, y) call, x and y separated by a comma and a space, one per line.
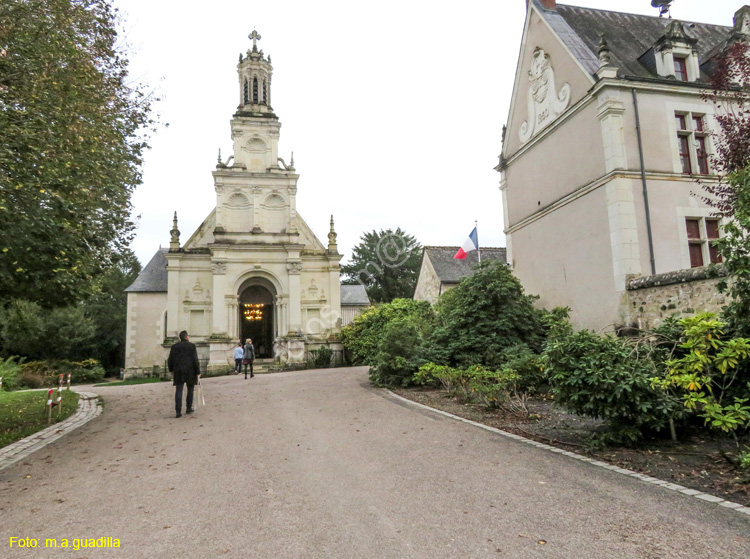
point(479, 251)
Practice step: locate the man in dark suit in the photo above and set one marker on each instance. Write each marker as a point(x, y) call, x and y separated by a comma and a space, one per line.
point(183, 363)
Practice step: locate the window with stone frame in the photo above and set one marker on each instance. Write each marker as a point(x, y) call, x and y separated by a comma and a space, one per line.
point(255, 91)
point(680, 68)
point(692, 143)
point(701, 232)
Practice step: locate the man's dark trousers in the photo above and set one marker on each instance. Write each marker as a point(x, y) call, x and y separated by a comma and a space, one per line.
point(178, 396)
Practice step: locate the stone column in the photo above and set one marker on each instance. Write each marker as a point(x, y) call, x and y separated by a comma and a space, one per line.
point(295, 296)
point(219, 307)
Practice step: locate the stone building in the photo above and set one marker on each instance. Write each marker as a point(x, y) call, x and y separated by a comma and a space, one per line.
point(440, 271)
point(253, 268)
point(605, 142)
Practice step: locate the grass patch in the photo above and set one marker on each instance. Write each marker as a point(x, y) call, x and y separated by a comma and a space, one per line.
point(145, 380)
point(24, 413)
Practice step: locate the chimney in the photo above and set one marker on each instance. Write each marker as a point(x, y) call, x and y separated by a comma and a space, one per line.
point(546, 4)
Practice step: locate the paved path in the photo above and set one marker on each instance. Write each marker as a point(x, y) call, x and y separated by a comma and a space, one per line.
point(316, 464)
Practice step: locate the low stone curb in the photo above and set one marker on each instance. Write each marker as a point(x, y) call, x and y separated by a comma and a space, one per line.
point(88, 409)
point(647, 479)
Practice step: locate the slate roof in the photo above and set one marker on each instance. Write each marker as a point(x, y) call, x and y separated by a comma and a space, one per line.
point(629, 36)
point(450, 270)
point(153, 278)
point(354, 295)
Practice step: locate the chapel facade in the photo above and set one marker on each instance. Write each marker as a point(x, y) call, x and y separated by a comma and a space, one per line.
point(253, 268)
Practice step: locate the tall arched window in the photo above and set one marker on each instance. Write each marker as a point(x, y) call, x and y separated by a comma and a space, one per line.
point(265, 102)
point(246, 91)
point(255, 90)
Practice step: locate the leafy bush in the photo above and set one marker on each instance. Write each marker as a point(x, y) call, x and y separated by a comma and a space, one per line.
point(707, 371)
point(10, 370)
point(604, 377)
point(493, 388)
point(87, 371)
point(28, 330)
point(526, 364)
point(484, 315)
point(320, 358)
point(391, 338)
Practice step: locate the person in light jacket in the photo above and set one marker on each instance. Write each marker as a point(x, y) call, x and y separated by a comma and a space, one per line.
point(248, 357)
point(239, 353)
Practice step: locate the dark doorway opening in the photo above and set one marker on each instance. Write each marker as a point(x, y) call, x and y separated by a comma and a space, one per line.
point(256, 319)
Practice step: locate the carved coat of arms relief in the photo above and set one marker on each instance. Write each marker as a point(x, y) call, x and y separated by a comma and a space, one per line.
point(545, 103)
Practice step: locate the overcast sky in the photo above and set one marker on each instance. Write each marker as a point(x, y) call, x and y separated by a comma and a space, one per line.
point(393, 109)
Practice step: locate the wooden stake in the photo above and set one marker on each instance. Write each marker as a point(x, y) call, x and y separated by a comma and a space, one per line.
point(49, 406)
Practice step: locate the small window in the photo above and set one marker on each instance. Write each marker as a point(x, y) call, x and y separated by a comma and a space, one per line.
point(701, 232)
point(246, 92)
point(255, 90)
point(265, 98)
point(692, 143)
point(680, 69)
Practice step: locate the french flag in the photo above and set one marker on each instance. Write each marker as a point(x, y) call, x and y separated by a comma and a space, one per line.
point(472, 243)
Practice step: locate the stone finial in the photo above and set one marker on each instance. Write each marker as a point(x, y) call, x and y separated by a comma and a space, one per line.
point(606, 68)
point(605, 55)
point(332, 247)
point(218, 159)
point(174, 233)
point(291, 163)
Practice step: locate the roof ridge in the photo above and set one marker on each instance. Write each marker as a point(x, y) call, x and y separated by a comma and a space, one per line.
point(639, 15)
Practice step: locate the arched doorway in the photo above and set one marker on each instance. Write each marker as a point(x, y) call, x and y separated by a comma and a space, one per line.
point(256, 310)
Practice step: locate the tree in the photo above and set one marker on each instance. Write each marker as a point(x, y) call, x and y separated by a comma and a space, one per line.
point(386, 263)
point(73, 134)
point(484, 316)
point(107, 308)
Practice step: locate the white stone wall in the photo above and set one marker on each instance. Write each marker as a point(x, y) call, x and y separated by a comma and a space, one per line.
point(145, 331)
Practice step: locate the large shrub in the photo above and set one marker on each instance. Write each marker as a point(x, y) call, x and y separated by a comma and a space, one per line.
point(487, 313)
point(606, 378)
point(29, 330)
point(391, 338)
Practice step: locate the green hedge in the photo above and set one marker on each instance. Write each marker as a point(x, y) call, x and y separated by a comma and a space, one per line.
point(35, 374)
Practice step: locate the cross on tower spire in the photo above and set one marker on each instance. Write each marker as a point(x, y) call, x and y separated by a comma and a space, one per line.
point(255, 36)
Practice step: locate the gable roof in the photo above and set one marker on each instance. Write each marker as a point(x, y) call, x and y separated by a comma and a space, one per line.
point(153, 278)
point(354, 295)
point(451, 270)
point(629, 36)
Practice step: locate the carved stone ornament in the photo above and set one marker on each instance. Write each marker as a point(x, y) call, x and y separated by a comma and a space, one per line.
point(219, 268)
point(544, 102)
point(237, 133)
point(294, 268)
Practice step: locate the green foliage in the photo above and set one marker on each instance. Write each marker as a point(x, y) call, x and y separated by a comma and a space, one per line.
point(734, 247)
point(86, 371)
point(704, 374)
point(27, 329)
point(72, 124)
point(391, 338)
point(10, 371)
point(526, 365)
point(606, 378)
point(387, 263)
point(743, 459)
point(483, 316)
point(492, 388)
point(320, 358)
point(106, 307)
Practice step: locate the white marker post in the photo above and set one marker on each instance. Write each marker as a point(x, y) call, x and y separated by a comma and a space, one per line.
point(59, 395)
point(68, 381)
point(1, 384)
point(49, 406)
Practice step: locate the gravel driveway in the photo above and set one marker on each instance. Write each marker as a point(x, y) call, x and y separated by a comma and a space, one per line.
point(318, 464)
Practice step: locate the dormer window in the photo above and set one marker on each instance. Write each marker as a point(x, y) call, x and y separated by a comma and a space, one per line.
point(674, 55)
point(680, 69)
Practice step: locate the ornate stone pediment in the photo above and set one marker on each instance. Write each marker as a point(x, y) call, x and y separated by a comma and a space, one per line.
point(545, 103)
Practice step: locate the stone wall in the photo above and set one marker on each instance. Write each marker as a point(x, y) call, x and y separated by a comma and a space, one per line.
point(650, 299)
